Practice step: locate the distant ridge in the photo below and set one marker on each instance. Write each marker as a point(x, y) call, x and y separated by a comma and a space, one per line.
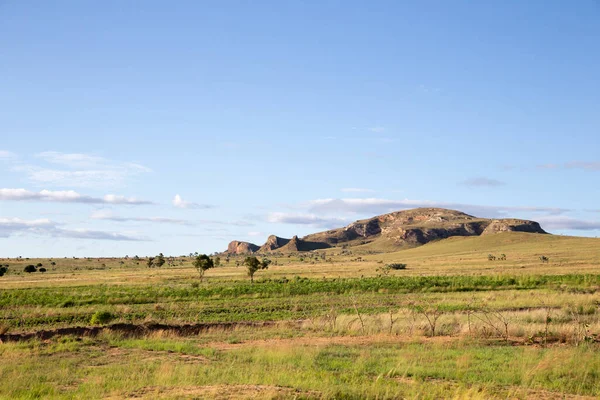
point(408, 228)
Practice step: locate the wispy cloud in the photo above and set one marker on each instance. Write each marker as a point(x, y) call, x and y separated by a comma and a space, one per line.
point(566, 223)
point(79, 170)
point(180, 203)
point(254, 233)
point(357, 190)
point(584, 165)
point(66, 196)
point(482, 182)
point(228, 223)
point(376, 129)
point(109, 216)
point(374, 206)
point(305, 219)
point(46, 227)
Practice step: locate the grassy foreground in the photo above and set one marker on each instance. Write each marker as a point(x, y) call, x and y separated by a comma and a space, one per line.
point(452, 325)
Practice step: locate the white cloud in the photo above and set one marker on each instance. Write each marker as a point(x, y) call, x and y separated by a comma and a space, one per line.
point(377, 129)
point(65, 196)
point(79, 170)
point(254, 233)
point(567, 223)
point(108, 215)
point(482, 182)
point(357, 190)
point(46, 227)
point(9, 226)
point(230, 223)
point(180, 203)
point(306, 219)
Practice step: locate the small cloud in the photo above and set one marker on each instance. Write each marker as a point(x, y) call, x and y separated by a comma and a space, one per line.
point(585, 165)
point(306, 219)
point(46, 227)
point(65, 196)
point(482, 182)
point(254, 233)
point(229, 223)
point(548, 166)
point(357, 190)
point(109, 216)
point(376, 129)
point(567, 223)
point(97, 235)
point(116, 199)
point(79, 170)
point(180, 203)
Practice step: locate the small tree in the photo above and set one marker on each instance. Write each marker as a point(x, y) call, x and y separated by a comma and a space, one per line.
point(217, 261)
point(150, 262)
point(3, 270)
point(30, 268)
point(253, 264)
point(159, 261)
point(203, 263)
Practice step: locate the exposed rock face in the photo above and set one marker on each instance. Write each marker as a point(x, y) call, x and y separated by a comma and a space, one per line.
point(237, 247)
point(273, 243)
point(420, 226)
point(402, 228)
point(512, 225)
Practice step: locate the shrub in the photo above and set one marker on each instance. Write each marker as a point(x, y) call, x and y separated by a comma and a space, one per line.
point(42, 269)
point(30, 268)
point(396, 266)
point(101, 317)
point(39, 265)
point(3, 270)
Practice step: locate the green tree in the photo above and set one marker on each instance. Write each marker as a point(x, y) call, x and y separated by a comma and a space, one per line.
point(159, 261)
point(253, 264)
point(30, 268)
point(150, 262)
point(217, 261)
point(203, 263)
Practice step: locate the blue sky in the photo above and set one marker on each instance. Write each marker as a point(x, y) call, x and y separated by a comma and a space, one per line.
point(174, 127)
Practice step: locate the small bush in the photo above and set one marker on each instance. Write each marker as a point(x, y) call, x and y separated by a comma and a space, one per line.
point(3, 270)
point(30, 268)
point(42, 269)
point(396, 266)
point(101, 317)
point(39, 265)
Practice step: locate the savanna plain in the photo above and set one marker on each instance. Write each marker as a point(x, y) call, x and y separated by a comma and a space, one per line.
point(512, 315)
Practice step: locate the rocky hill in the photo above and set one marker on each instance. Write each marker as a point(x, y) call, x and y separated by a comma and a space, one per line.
point(237, 247)
point(407, 228)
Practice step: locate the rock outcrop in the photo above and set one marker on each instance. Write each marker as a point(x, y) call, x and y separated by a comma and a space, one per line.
point(237, 247)
point(402, 228)
point(512, 225)
point(273, 243)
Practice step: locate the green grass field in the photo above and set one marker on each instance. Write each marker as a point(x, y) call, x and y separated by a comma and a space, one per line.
point(325, 325)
